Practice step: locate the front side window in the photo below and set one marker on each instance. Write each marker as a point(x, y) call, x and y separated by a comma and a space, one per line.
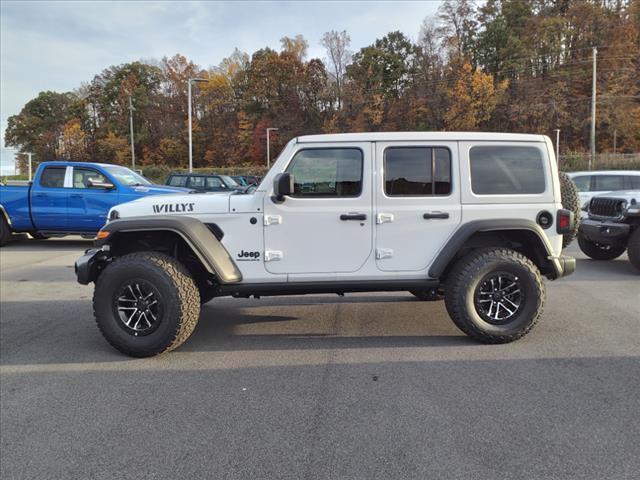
point(327, 172)
point(53, 177)
point(417, 171)
point(214, 182)
point(506, 170)
point(83, 177)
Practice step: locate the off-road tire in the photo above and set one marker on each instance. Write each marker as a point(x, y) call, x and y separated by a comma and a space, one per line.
point(428, 294)
point(39, 236)
point(570, 201)
point(179, 298)
point(633, 248)
point(5, 231)
point(467, 275)
point(600, 252)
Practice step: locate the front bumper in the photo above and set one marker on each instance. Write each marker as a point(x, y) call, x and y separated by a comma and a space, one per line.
point(87, 266)
point(604, 232)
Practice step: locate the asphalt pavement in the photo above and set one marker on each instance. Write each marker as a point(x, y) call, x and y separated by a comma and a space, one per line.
point(369, 386)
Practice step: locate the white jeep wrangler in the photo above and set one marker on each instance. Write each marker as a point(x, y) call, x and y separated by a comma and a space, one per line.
point(476, 218)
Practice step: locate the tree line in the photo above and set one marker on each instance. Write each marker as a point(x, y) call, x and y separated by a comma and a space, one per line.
point(507, 65)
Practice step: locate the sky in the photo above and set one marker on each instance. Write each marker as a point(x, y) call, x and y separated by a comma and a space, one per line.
point(57, 45)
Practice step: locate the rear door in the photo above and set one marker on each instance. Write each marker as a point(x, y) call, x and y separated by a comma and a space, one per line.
point(417, 202)
point(49, 199)
point(88, 207)
point(325, 226)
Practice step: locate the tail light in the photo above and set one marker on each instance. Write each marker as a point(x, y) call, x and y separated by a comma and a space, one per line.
point(565, 221)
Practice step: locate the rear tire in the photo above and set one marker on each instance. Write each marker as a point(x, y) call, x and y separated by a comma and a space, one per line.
point(498, 283)
point(5, 231)
point(633, 248)
point(598, 251)
point(570, 201)
point(146, 303)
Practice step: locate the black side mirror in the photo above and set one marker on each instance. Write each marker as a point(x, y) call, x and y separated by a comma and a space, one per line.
point(282, 186)
point(101, 185)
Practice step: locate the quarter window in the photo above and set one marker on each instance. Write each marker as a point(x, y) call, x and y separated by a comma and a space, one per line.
point(506, 170)
point(417, 171)
point(327, 172)
point(53, 177)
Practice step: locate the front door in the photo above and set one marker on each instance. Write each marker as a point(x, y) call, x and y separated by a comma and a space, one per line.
point(417, 202)
point(88, 207)
point(326, 225)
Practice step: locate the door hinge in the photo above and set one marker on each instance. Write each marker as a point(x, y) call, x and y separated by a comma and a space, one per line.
point(272, 220)
point(384, 218)
point(384, 253)
point(272, 255)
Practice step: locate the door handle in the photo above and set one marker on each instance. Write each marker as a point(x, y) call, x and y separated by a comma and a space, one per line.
point(353, 216)
point(41, 195)
point(435, 215)
point(75, 195)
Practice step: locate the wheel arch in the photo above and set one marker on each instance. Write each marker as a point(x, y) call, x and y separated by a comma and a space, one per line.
point(175, 236)
point(521, 235)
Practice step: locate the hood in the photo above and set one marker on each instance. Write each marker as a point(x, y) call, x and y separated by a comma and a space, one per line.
point(158, 189)
point(175, 204)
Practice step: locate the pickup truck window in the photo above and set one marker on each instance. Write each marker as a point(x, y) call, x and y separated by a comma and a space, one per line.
point(83, 176)
point(327, 172)
point(417, 171)
point(506, 170)
point(53, 177)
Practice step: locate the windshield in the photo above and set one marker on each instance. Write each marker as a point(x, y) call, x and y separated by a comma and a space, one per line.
point(228, 180)
point(127, 177)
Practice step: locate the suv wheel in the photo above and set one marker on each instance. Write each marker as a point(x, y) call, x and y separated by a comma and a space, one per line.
point(146, 303)
point(633, 248)
point(570, 201)
point(599, 251)
point(495, 295)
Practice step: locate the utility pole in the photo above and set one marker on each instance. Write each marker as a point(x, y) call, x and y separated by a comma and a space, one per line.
point(593, 111)
point(615, 140)
point(269, 130)
point(133, 151)
point(558, 145)
point(191, 80)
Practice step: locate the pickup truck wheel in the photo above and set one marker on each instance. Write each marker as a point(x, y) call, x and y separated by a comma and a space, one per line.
point(570, 201)
point(39, 236)
point(495, 295)
point(633, 248)
point(5, 231)
point(146, 303)
point(599, 251)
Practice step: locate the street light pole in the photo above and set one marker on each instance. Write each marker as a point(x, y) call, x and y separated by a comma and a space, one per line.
point(191, 80)
point(558, 145)
point(29, 156)
point(269, 130)
point(133, 152)
point(592, 139)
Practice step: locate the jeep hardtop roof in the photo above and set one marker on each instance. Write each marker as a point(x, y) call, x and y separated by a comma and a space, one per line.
point(420, 136)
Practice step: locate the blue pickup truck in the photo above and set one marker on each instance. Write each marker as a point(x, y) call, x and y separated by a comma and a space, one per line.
point(70, 198)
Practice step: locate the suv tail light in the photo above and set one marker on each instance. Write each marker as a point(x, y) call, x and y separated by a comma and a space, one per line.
point(565, 221)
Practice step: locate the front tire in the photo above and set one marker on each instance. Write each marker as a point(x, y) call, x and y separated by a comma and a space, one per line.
point(495, 295)
point(146, 303)
point(633, 248)
point(599, 251)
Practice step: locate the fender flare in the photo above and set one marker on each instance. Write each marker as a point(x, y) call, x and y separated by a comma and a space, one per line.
point(460, 237)
point(214, 256)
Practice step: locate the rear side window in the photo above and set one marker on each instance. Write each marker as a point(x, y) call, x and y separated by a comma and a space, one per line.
point(214, 182)
point(178, 181)
point(609, 182)
point(583, 183)
point(417, 171)
point(53, 177)
point(196, 182)
point(327, 172)
point(506, 170)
